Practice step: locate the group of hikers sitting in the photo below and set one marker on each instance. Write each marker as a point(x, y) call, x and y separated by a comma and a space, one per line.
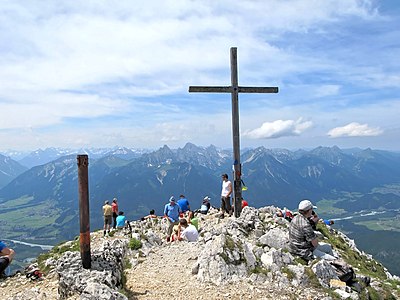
point(182, 223)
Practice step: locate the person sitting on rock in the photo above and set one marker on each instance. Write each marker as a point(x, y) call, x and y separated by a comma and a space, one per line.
point(151, 215)
point(192, 219)
point(303, 241)
point(186, 231)
point(121, 220)
point(205, 206)
point(171, 213)
point(183, 204)
point(6, 257)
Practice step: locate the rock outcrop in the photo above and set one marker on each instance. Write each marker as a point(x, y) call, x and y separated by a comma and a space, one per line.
point(234, 258)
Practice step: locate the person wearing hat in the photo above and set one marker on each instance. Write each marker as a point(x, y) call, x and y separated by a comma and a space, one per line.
point(205, 206)
point(6, 257)
point(303, 241)
point(171, 213)
point(107, 213)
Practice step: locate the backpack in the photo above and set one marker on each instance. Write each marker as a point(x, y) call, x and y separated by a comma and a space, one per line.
point(343, 270)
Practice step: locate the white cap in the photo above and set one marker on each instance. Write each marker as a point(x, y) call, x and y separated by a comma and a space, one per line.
point(305, 205)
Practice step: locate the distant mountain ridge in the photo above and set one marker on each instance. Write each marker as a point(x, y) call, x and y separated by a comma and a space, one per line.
point(273, 176)
point(9, 169)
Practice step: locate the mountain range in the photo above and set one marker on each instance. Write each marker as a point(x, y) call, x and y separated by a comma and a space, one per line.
point(42, 202)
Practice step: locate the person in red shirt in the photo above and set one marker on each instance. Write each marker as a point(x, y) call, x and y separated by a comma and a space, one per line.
point(244, 203)
point(114, 206)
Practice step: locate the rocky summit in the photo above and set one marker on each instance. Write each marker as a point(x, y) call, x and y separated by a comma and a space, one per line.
point(234, 258)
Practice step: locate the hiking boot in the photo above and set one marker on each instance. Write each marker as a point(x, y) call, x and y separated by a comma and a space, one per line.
point(168, 239)
point(3, 275)
point(221, 216)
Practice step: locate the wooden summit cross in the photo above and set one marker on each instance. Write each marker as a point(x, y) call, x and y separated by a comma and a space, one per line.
point(234, 89)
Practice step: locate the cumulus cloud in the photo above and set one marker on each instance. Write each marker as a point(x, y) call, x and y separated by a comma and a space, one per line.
point(354, 129)
point(278, 128)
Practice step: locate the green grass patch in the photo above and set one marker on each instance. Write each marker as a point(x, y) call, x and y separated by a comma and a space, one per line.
point(365, 265)
point(259, 270)
point(134, 244)
point(312, 278)
point(56, 253)
point(289, 273)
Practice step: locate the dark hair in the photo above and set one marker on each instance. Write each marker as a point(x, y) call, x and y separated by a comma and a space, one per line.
point(152, 212)
point(120, 213)
point(183, 222)
point(225, 176)
point(182, 196)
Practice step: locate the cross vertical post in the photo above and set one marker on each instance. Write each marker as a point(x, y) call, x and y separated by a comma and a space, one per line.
point(237, 181)
point(234, 89)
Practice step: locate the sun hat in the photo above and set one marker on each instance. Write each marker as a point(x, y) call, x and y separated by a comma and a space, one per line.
point(206, 199)
point(305, 205)
point(172, 199)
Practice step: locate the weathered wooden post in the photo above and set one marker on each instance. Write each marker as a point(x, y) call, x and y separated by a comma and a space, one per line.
point(234, 90)
point(84, 219)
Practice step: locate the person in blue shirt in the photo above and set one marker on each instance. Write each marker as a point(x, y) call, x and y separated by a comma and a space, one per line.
point(121, 220)
point(6, 257)
point(171, 213)
point(183, 203)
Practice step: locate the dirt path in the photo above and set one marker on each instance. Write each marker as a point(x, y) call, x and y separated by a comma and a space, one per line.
point(166, 274)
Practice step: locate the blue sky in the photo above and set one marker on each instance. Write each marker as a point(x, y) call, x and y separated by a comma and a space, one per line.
point(105, 73)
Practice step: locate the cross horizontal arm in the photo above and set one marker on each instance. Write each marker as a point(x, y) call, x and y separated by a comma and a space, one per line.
point(230, 89)
point(210, 89)
point(254, 89)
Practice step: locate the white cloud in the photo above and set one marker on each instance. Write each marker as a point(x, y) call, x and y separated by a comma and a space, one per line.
point(69, 70)
point(354, 129)
point(278, 128)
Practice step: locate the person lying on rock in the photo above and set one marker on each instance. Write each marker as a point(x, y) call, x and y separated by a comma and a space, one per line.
point(303, 241)
point(285, 213)
point(186, 231)
point(6, 257)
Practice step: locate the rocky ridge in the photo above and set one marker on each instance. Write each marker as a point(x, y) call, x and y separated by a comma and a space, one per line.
point(235, 258)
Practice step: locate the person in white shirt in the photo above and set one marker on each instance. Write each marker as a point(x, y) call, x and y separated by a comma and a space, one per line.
point(187, 231)
point(226, 196)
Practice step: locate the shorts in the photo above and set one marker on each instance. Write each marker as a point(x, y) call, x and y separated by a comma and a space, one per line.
point(107, 220)
point(4, 262)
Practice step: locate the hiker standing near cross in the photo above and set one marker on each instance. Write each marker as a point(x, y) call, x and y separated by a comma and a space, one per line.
point(234, 90)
